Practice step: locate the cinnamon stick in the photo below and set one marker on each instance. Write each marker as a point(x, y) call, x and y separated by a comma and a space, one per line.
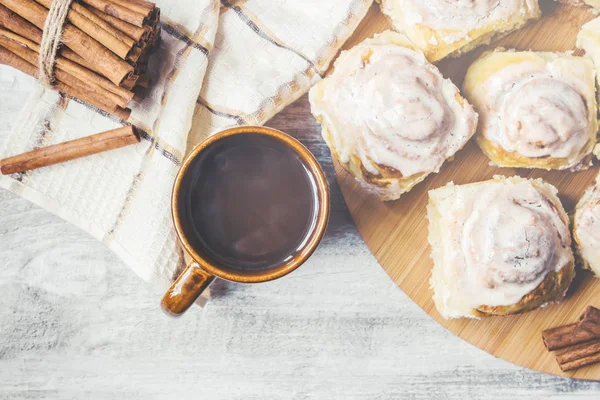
point(9, 58)
point(105, 25)
point(580, 362)
point(110, 65)
point(585, 330)
point(578, 344)
point(15, 23)
point(135, 54)
point(137, 4)
point(72, 56)
point(559, 337)
point(590, 320)
point(71, 150)
point(142, 7)
point(106, 47)
point(20, 45)
point(93, 29)
point(74, 88)
point(109, 99)
point(578, 351)
point(19, 25)
point(138, 34)
point(130, 81)
point(124, 96)
point(118, 11)
point(86, 94)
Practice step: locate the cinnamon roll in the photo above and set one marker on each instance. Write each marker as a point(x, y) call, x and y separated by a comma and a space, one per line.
point(444, 28)
point(537, 110)
point(586, 229)
point(499, 247)
point(389, 116)
point(588, 39)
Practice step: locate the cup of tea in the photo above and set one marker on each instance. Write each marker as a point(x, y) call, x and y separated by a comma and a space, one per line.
point(250, 204)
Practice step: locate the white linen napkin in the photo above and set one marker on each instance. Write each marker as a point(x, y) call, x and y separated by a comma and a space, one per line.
point(258, 56)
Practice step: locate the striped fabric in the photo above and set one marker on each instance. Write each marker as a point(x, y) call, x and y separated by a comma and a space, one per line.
point(220, 64)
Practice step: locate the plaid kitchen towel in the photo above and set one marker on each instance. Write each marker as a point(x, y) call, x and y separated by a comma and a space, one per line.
point(220, 64)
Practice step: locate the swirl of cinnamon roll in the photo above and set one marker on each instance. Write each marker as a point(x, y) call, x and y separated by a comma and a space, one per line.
point(538, 110)
point(389, 116)
point(500, 247)
point(586, 228)
point(451, 27)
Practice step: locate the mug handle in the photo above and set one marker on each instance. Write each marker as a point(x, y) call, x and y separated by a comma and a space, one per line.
point(186, 290)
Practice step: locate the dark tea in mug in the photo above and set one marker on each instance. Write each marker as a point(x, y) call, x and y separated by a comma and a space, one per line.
point(248, 202)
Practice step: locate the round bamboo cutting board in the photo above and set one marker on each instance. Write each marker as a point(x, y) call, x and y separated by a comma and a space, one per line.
point(396, 232)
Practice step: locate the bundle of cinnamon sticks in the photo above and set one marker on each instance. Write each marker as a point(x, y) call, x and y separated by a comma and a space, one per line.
point(577, 344)
point(106, 46)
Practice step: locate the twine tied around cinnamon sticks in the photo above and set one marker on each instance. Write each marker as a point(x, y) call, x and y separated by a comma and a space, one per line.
point(51, 38)
point(94, 50)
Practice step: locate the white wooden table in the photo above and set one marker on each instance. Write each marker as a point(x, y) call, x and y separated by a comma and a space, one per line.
point(75, 323)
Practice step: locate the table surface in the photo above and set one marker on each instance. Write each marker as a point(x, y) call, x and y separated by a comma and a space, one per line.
point(76, 323)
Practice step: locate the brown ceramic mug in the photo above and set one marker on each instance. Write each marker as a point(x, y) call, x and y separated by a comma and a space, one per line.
point(193, 206)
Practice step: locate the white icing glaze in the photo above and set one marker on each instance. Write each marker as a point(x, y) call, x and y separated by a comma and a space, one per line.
point(538, 108)
point(588, 39)
point(587, 227)
point(388, 106)
point(461, 15)
point(505, 238)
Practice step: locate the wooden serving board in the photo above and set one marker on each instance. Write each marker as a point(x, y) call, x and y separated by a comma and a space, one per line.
point(396, 232)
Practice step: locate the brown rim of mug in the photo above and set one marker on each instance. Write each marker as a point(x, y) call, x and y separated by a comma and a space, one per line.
point(309, 247)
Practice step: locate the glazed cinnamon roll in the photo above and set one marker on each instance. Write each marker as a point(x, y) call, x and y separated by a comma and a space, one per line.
point(586, 229)
point(450, 28)
point(499, 247)
point(589, 40)
point(389, 116)
point(537, 110)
